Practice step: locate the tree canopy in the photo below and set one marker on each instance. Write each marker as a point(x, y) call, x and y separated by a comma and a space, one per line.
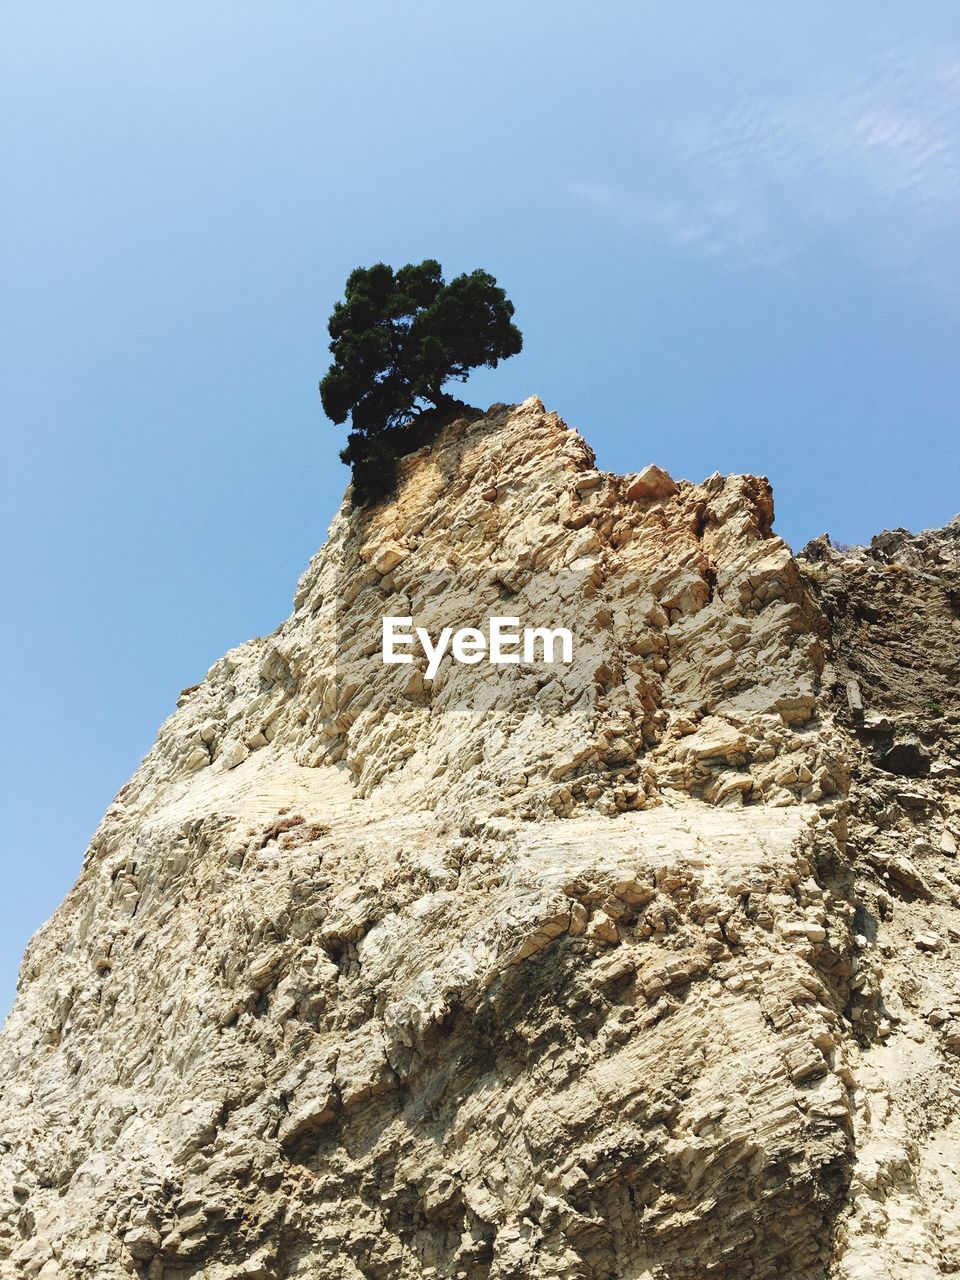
point(396, 338)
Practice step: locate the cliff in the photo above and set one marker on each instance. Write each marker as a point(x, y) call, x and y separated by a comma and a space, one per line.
point(637, 966)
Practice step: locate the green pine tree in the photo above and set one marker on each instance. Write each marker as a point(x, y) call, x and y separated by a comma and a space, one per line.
point(396, 339)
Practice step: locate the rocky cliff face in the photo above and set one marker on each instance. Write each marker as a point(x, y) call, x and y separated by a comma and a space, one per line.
point(641, 966)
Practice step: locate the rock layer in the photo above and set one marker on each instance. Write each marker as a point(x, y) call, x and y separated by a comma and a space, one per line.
point(641, 966)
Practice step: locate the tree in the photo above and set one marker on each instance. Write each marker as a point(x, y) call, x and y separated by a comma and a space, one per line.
point(396, 339)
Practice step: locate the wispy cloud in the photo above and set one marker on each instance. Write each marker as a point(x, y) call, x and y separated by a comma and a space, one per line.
point(874, 161)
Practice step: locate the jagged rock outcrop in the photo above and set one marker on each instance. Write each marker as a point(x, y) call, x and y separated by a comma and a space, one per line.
point(894, 615)
point(637, 966)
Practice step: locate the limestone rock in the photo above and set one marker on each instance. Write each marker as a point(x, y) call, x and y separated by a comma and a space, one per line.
point(651, 482)
point(611, 968)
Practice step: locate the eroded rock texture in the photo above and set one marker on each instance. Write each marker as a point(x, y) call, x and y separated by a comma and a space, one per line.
point(641, 967)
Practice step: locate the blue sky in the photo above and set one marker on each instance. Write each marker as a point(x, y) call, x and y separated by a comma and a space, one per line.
point(730, 232)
